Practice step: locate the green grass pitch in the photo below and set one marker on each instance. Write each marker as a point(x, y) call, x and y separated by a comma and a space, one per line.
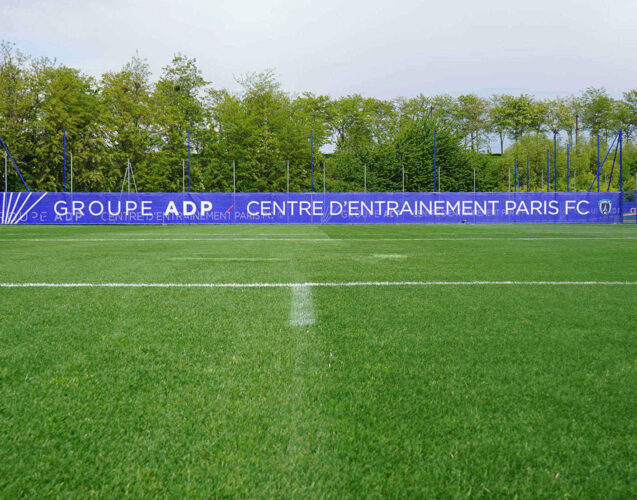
point(439, 390)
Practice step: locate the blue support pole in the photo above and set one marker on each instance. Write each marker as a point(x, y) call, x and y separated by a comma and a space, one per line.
point(567, 167)
point(598, 163)
point(527, 173)
point(621, 144)
point(555, 160)
point(312, 160)
point(65, 160)
point(435, 168)
point(548, 170)
point(515, 183)
point(189, 161)
point(14, 164)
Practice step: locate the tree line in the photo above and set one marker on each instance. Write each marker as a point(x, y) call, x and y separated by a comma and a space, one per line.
point(127, 116)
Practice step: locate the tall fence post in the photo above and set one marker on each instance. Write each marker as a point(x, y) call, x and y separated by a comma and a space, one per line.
point(5, 172)
point(516, 185)
point(65, 160)
point(555, 160)
point(189, 160)
point(312, 160)
point(621, 145)
point(15, 166)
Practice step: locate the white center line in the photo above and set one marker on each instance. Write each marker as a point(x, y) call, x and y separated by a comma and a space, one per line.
point(301, 306)
point(549, 238)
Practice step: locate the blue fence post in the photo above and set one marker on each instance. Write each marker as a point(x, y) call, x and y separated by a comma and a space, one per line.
point(189, 160)
point(621, 144)
point(555, 160)
point(65, 160)
point(15, 166)
point(527, 173)
point(312, 160)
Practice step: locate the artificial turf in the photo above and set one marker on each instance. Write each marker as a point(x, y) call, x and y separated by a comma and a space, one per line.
point(389, 391)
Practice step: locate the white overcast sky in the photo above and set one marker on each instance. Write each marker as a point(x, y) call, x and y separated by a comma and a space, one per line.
point(377, 48)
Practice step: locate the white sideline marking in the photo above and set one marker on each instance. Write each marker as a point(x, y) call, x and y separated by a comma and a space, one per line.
point(302, 306)
point(321, 239)
point(307, 284)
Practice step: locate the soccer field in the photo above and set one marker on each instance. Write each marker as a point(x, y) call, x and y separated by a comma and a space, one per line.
point(427, 361)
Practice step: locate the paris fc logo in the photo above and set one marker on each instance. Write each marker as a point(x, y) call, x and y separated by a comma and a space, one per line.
point(605, 206)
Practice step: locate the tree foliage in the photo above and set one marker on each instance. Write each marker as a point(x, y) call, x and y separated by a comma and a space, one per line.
point(180, 121)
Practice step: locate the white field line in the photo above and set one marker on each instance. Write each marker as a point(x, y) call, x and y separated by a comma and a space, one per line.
point(301, 306)
point(529, 233)
point(549, 238)
point(312, 284)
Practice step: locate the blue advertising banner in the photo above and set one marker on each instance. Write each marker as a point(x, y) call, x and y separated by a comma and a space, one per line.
point(309, 208)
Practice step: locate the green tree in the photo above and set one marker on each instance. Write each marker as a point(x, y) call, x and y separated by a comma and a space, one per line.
point(178, 108)
point(127, 118)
